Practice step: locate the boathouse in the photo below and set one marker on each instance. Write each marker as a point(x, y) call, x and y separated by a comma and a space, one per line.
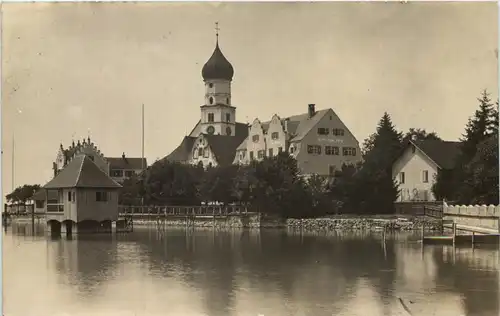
point(86, 199)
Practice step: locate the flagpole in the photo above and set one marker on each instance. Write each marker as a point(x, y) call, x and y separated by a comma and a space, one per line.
point(142, 155)
point(13, 163)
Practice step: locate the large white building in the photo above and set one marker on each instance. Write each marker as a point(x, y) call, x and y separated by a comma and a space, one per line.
point(318, 139)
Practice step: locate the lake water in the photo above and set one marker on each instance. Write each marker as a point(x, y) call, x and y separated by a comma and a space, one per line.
point(241, 272)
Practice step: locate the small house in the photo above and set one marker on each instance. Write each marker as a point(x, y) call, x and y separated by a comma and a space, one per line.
point(81, 198)
point(417, 166)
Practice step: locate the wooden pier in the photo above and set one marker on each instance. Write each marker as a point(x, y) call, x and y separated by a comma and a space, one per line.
point(463, 235)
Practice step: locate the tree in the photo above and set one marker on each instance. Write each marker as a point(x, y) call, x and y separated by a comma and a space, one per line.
point(419, 134)
point(171, 183)
point(132, 191)
point(484, 172)
point(482, 126)
point(22, 194)
point(379, 188)
point(217, 184)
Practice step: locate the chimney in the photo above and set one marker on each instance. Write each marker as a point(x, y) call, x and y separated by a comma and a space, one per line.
point(123, 155)
point(312, 110)
point(286, 125)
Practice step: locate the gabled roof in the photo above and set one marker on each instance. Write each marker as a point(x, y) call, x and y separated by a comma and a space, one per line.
point(81, 172)
point(443, 153)
point(299, 125)
point(121, 163)
point(223, 146)
point(183, 151)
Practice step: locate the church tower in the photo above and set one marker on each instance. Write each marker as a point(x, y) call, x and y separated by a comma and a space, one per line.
point(218, 116)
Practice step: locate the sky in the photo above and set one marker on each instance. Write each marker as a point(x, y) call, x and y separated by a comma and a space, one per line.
point(70, 70)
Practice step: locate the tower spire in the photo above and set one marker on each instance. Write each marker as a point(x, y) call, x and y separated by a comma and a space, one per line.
point(217, 29)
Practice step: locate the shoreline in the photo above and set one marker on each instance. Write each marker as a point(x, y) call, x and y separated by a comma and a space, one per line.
point(388, 223)
point(333, 223)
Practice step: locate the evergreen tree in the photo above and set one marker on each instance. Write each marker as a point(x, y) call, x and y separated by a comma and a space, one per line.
point(376, 182)
point(482, 126)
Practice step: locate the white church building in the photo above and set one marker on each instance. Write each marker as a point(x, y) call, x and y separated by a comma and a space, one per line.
point(318, 139)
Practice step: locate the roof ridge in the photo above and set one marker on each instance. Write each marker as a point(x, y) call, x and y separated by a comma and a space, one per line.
point(80, 171)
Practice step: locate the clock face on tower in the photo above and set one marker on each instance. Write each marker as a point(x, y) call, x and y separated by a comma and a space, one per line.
point(210, 130)
point(228, 131)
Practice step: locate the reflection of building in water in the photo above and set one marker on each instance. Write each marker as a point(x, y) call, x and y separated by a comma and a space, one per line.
point(474, 275)
point(87, 262)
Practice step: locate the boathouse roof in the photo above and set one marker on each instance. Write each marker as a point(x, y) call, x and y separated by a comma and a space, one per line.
point(81, 172)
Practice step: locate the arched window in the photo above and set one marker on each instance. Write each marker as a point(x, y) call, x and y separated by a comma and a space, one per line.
point(211, 100)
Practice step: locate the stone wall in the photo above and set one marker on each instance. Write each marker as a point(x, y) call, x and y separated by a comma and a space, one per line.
point(404, 223)
point(248, 220)
point(483, 216)
point(253, 220)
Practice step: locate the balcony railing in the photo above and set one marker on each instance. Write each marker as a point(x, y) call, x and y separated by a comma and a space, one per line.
point(55, 208)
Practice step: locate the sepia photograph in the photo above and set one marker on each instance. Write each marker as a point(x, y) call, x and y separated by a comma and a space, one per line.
point(250, 158)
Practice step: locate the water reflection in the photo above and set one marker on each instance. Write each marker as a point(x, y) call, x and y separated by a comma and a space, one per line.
point(242, 272)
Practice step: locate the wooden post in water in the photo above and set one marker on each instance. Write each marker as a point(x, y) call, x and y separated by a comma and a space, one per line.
point(422, 232)
point(473, 236)
point(33, 220)
point(454, 227)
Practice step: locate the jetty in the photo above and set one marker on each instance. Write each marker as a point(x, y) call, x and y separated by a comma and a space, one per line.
point(465, 225)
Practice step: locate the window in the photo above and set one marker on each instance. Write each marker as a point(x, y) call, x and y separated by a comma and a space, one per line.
point(211, 100)
point(402, 177)
point(69, 196)
point(129, 173)
point(228, 117)
point(323, 131)
point(338, 132)
point(74, 196)
point(255, 138)
point(260, 154)
point(332, 150)
point(275, 135)
point(210, 117)
point(101, 196)
point(251, 155)
point(117, 173)
point(205, 153)
point(348, 151)
point(314, 149)
point(331, 117)
point(280, 150)
point(227, 100)
point(210, 85)
point(200, 151)
point(270, 152)
point(331, 170)
point(292, 149)
point(425, 176)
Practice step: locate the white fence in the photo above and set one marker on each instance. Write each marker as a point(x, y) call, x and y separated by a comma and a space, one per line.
point(483, 216)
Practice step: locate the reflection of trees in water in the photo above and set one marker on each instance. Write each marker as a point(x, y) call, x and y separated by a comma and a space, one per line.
point(468, 274)
point(88, 261)
point(302, 268)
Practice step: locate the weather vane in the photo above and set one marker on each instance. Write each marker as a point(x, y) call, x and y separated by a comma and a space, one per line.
point(217, 29)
